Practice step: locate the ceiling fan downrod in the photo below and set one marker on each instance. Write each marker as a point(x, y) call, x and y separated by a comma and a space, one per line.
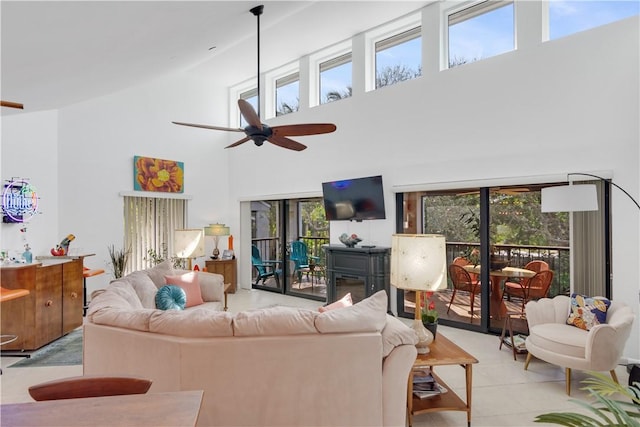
point(257, 11)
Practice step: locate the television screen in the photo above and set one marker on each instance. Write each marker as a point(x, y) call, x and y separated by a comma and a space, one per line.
point(354, 199)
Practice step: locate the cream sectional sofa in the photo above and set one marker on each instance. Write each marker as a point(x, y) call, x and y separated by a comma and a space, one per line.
point(278, 366)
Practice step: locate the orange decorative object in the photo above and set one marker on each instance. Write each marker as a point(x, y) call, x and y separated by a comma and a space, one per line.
point(230, 243)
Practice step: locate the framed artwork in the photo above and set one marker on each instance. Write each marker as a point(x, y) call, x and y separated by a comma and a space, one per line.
point(159, 175)
point(227, 254)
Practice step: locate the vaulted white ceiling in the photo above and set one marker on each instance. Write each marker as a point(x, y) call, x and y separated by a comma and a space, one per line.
point(56, 53)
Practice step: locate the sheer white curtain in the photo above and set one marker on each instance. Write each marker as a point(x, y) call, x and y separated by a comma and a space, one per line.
point(588, 249)
point(149, 223)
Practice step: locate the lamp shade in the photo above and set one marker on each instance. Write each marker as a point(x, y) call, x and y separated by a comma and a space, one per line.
point(216, 230)
point(418, 262)
point(188, 243)
point(568, 198)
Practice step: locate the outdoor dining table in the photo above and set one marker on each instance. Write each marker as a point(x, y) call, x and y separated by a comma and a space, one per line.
point(497, 307)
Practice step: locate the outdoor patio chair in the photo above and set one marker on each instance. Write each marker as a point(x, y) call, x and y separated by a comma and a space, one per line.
point(462, 281)
point(264, 269)
point(300, 257)
point(533, 288)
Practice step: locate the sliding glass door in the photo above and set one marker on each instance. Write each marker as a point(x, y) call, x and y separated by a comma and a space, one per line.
point(493, 234)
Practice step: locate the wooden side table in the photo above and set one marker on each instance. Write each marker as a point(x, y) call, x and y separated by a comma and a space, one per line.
point(442, 352)
point(226, 267)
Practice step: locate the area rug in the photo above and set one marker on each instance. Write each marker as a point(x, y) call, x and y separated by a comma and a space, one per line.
point(64, 351)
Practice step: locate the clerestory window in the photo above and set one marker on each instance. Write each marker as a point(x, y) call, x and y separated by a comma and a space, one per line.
point(399, 58)
point(288, 94)
point(569, 17)
point(336, 79)
point(481, 31)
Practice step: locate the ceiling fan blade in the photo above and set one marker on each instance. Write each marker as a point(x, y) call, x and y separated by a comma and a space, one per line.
point(242, 141)
point(284, 142)
point(11, 104)
point(209, 127)
point(249, 114)
point(303, 129)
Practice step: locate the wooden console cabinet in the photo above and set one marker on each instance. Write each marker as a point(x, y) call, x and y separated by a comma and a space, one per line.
point(226, 267)
point(53, 307)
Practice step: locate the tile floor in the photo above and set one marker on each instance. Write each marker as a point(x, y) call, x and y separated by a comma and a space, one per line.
point(504, 394)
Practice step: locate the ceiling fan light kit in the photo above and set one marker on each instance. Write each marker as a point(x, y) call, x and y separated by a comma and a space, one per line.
point(259, 132)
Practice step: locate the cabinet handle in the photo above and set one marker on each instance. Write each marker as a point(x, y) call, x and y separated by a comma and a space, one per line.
point(49, 303)
point(74, 295)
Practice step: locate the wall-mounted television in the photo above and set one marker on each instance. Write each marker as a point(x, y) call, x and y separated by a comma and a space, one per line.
point(354, 199)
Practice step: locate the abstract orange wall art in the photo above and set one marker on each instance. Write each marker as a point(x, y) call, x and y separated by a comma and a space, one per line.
point(166, 176)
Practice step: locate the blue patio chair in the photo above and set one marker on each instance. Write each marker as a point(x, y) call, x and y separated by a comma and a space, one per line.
point(264, 269)
point(300, 258)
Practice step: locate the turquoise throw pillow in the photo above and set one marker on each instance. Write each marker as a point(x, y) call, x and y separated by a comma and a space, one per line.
point(171, 297)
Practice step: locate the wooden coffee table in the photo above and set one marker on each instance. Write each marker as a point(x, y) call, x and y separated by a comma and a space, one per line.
point(442, 352)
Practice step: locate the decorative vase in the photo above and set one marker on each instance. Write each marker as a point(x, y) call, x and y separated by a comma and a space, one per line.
point(432, 327)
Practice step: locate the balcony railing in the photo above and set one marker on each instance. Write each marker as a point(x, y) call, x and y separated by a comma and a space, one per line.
point(519, 255)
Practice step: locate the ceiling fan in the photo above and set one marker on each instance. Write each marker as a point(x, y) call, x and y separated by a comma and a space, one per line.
point(11, 104)
point(259, 132)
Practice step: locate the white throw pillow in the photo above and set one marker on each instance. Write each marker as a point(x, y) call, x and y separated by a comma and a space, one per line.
point(368, 315)
point(144, 287)
point(396, 333)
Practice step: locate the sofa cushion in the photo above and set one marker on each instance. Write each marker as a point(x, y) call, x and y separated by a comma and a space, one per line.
point(368, 315)
point(345, 301)
point(396, 333)
point(124, 289)
point(171, 297)
point(189, 283)
point(144, 288)
point(157, 273)
point(586, 312)
point(559, 338)
point(195, 323)
point(123, 318)
point(275, 321)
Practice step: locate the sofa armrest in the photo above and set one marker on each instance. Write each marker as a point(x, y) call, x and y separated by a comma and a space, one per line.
point(395, 377)
point(211, 286)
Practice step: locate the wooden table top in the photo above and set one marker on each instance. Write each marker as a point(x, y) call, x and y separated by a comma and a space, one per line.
point(505, 272)
point(442, 351)
point(180, 408)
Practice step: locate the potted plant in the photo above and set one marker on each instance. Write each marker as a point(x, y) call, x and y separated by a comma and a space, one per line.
point(119, 260)
point(606, 411)
point(429, 313)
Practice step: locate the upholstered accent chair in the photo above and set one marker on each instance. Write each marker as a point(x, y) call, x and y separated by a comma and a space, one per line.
point(553, 340)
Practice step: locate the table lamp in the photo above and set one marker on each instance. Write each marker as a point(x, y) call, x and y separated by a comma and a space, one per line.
point(188, 243)
point(419, 263)
point(216, 230)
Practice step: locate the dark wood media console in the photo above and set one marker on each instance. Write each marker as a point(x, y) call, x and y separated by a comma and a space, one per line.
point(360, 271)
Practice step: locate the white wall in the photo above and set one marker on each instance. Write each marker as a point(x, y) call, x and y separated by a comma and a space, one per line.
point(30, 150)
point(563, 106)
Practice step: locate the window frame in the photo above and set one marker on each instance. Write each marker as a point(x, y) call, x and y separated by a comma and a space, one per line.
point(467, 11)
point(383, 32)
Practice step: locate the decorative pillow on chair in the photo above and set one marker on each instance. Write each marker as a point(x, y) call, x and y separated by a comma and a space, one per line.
point(586, 312)
point(171, 297)
point(189, 283)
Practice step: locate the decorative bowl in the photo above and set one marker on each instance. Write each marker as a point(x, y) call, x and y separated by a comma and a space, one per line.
point(350, 241)
point(499, 264)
